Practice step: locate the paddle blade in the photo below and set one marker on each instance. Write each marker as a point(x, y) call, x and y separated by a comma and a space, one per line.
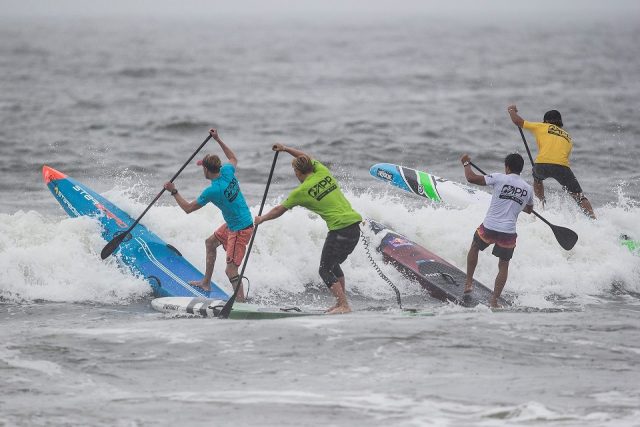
point(226, 310)
point(112, 245)
point(566, 237)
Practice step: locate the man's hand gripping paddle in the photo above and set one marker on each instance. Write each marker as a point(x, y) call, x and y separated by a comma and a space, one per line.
point(115, 242)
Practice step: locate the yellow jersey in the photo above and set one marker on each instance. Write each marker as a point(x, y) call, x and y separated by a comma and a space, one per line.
point(554, 143)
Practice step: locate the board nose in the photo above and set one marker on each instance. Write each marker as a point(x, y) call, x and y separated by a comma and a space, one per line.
point(50, 174)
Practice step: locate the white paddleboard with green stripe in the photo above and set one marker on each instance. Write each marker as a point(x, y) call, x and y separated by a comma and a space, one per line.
point(208, 307)
point(429, 186)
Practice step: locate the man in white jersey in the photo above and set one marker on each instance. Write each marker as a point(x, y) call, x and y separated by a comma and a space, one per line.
point(511, 195)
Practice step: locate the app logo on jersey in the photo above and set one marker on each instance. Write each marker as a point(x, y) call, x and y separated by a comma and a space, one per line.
point(232, 190)
point(555, 130)
point(322, 188)
point(513, 193)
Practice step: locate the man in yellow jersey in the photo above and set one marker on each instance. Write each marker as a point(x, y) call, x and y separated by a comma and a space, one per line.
point(319, 192)
point(554, 149)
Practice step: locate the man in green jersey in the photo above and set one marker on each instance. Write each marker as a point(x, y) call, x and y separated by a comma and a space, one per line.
point(319, 192)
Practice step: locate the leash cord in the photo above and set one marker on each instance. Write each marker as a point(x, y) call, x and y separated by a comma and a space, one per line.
point(366, 243)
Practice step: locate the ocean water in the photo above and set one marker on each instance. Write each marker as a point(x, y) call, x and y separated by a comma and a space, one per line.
point(120, 104)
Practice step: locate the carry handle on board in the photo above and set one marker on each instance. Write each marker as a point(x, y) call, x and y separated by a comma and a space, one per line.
point(226, 310)
point(565, 236)
point(115, 242)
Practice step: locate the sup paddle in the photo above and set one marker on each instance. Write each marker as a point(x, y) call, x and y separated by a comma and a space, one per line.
point(226, 310)
point(566, 237)
point(115, 242)
point(526, 145)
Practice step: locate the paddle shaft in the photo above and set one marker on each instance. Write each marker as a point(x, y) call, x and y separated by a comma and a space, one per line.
point(115, 242)
point(226, 310)
point(524, 140)
point(526, 146)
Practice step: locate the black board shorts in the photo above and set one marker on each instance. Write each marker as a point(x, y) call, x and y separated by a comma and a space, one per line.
point(337, 247)
point(563, 174)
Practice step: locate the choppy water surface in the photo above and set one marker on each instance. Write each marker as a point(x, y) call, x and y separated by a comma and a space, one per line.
point(120, 105)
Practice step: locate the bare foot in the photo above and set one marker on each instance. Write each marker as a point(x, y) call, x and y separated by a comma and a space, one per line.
point(468, 288)
point(494, 304)
point(341, 309)
point(200, 284)
point(331, 308)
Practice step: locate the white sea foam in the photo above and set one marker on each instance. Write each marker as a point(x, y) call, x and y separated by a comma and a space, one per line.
point(56, 260)
point(123, 335)
point(401, 410)
point(16, 359)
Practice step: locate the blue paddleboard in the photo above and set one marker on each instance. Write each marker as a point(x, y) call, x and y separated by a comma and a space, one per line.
point(146, 254)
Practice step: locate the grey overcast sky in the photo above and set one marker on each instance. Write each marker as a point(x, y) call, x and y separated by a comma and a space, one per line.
point(353, 9)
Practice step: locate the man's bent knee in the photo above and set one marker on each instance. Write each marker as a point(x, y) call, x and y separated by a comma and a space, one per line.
point(212, 242)
point(327, 276)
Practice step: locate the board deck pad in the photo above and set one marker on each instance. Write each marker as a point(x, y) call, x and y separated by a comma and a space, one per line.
point(142, 251)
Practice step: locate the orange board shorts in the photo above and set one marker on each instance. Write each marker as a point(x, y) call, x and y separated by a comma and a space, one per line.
point(503, 243)
point(234, 242)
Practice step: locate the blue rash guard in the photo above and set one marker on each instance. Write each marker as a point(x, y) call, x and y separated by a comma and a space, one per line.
point(224, 192)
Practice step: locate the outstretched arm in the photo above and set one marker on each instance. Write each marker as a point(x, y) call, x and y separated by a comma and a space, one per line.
point(188, 207)
point(515, 118)
point(293, 151)
point(471, 176)
point(272, 214)
point(227, 151)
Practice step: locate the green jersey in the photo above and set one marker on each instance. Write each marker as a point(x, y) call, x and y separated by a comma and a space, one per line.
point(321, 194)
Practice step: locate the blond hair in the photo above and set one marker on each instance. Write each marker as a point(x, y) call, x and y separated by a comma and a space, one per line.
point(212, 163)
point(303, 164)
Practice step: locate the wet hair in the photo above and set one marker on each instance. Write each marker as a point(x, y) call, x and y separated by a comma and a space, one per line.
point(514, 162)
point(303, 164)
point(553, 117)
point(212, 163)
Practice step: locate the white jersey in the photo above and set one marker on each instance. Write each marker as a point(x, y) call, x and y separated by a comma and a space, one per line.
point(510, 195)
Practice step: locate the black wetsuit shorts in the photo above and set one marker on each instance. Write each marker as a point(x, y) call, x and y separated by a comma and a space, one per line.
point(337, 247)
point(562, 174)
